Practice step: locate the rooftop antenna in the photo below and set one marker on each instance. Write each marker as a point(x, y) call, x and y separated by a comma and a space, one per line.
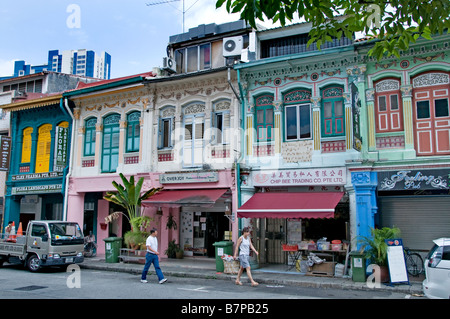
point(169, 1)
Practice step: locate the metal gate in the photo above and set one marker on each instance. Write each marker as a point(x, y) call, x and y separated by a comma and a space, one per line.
point(275, 236)
point(420, 219)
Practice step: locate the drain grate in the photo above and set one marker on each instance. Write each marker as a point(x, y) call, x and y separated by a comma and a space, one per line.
point(30, 288)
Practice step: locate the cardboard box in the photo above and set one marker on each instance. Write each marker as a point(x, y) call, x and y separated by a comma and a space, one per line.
point(324, 269)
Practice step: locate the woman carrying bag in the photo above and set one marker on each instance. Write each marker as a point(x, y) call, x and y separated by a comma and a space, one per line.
point(244, 245)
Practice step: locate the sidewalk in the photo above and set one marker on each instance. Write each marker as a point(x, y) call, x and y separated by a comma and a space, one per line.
point(205, 268)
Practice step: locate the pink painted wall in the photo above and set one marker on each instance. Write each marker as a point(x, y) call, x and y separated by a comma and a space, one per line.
point(79, 186)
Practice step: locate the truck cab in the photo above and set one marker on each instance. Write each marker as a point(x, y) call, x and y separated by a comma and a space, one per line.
point(46, 243)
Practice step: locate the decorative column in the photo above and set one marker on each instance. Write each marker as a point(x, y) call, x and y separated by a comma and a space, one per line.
point(79, 151)
point(408, 120)
point(277, 126)
point(98, 144)
point(370, 98)
point(316, 122)
point(365, 185)
point(348, 121)
point(249, 129)
point(122, 130)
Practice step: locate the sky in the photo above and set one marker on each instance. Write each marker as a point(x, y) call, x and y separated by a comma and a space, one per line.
point(133, 33)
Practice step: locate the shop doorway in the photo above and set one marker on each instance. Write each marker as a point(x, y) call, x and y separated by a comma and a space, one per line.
point(200, 230)
point(216, 225)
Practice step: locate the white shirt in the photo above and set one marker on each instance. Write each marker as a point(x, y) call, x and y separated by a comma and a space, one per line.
point(245, 246)
point(153, 243)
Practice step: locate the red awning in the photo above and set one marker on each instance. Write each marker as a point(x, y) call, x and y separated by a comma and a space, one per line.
point(290, 205)
point(190, 197)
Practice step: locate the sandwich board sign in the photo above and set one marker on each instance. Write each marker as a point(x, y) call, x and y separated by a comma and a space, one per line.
point(396, 261)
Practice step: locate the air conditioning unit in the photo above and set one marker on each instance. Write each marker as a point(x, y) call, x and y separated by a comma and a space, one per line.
point(232, 46)
point(169, 64)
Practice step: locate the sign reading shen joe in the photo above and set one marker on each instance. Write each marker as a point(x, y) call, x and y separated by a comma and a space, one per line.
point(301, 177)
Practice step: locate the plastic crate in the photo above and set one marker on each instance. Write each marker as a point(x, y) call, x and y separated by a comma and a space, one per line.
point(290, 247)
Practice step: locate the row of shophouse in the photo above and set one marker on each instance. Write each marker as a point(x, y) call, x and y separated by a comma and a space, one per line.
point(247, 127)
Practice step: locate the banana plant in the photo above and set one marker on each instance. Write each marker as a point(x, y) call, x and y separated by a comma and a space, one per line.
point(129, 197)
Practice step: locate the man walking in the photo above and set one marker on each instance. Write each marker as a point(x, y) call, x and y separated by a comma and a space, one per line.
point(152, 257)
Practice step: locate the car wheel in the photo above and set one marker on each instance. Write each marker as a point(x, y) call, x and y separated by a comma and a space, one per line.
point(33, 263)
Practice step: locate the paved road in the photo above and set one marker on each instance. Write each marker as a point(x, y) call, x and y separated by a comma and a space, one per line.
point(17, 283)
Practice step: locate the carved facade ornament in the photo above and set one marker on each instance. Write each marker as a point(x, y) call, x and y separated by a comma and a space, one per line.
point(387, 85)
point(429, 79)
point(222, 106)
point(168, 112)
point(429, 58)
point(385, 65)
point(194, 108)
point(76, 113)
point(406, 91)
point(370, 95)
point(297, 96)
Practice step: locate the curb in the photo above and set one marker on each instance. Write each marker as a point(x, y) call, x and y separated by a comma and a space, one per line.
point(414, 288)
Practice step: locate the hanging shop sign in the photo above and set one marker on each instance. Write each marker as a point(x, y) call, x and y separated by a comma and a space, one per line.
point(194, 177)
point(301, 177)
point(38, 189)
point(414, 179)
point(5, 148)
point(62, 138)
point(23, 177)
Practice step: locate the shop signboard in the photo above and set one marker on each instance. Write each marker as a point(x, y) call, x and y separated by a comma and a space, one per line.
point(396, 261)
point(414, 180)
point(301, 177)
point(5, 144)
point(194, 177)
point(24, 177)
point(62, 138)
point(38, 189)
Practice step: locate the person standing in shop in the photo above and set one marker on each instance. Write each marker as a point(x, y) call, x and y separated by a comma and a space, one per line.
point(244, 245)
point(152, 257)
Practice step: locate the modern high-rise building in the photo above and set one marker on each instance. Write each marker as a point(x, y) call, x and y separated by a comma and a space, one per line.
point(78, 62)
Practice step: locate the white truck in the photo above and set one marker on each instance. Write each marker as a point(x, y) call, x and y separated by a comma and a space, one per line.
point(45, 243)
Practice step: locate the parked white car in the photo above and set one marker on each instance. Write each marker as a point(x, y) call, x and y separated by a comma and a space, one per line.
point(437, 270)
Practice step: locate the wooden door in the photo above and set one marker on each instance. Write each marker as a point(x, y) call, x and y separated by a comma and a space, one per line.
point(431, 114)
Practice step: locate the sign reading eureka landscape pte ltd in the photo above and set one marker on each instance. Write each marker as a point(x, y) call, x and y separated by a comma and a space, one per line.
point(194, 177)
point(301, 177)
point(414, 179)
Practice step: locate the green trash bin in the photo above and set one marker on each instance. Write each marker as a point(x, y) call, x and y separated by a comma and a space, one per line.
point(222, 248)
point(358, 266)
point(112, 249)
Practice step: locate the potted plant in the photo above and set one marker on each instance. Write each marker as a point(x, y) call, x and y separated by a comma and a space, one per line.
point(129, 197)
point(171, 223)
point(171, 250)
point(179, 252)
point(375, 248)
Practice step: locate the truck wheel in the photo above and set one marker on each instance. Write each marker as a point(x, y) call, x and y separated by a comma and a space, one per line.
point(33, 263)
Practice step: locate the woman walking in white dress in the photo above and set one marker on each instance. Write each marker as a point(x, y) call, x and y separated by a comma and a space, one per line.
point(244, 245)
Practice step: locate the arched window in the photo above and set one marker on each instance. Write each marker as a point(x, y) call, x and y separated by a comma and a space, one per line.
point(431, 111)
point(333, 123)
point(133, 132)
point(43, 151)
point(388, 109)
point(264, 118)
point(26, 145)
point(166, 121)
point(111, 137)
point(89, 137)
point(297, 114)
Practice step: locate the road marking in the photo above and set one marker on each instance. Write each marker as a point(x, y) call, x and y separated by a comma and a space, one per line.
point(200, 289)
